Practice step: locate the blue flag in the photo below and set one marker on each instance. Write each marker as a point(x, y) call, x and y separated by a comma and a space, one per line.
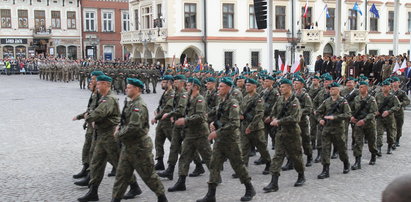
point(327, 14)
point(375, 11)
point(357, 8)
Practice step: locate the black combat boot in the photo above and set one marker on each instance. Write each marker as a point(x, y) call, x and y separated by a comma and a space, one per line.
point(259, 161)
point(112, 173)
point(397, 142)
point(234, 175)
point(159, 165)
point(198, 170)
point(318, 158)
point(252, 152)
point(82, 173)
point(325, 173)
point(267, 168)
point(313, 144)
point(180, 185)
point(346, 167)
point(133, 192)
point(300, 180)
point(373, 159)
point(210, 196)
point(309, 160)
point(249, 192)
point(168, 173)
point(273, 186)
point(335, 154)
point(162, 198)
point(394, 146)
point(379, 154)
point(288, 166)
point(84, 181)
point(115, 200)
point(389, 149)
point(357, 164)
point(92, 194)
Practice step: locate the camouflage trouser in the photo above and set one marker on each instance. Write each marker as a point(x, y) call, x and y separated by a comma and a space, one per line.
point(257, 139)
point(367, 131)
point(305, 136)
point(191, 148)
point(163, 131)
point(137, 156)
point(287, 143)
point(154, 83)
point(232, 152)
point(106, 149)
point(388, 124)
point(335, 136)
point(82, 83)
point(86, 154)
point(175, 147)
point(399, 121)
point(346, 129)
point(313, 128)
point(270, 131)
point(319, 136)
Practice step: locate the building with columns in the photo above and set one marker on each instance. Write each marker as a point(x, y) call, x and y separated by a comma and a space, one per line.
point(225, 32)
point(40, 27)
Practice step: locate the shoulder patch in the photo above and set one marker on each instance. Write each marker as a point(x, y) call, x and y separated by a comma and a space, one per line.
point(103, 101)
point(294, 105)
point(184, 96)
point(136, 109)
point(345, 102)
point(260, 100)
point(200, 101)
point(235, 93)
point(235, 106)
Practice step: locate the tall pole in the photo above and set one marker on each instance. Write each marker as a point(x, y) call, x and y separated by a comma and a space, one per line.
point(366, 22)
point(270, 36)
point(396, 15)
point(292, 31)
point(338, 30)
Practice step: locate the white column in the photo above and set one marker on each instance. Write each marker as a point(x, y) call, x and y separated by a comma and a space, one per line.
point(338, 29)
point(396, 18)
point(270, 36)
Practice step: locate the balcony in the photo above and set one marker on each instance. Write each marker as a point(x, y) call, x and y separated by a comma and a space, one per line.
point(356, 36)
point(144, 36)
point(311, 36)
point(41, 32)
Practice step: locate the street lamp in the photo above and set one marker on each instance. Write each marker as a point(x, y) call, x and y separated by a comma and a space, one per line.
point(159, 24)
point(293, 41)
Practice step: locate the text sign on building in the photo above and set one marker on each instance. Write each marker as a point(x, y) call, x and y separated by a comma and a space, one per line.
point(13, 41)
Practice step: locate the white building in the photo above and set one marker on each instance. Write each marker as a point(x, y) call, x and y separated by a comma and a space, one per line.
point(228, 34)
point(32, 27)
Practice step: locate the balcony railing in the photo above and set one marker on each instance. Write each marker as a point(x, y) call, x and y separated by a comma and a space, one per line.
point(141, 36)
point(41, 32)
point(311, 36)
point(356, 36)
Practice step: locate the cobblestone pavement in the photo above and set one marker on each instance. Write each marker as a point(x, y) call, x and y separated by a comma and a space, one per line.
point(40, 150)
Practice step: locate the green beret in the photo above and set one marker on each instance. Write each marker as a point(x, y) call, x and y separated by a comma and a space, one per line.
point(386, 83)
point(389, 80)
point(298, 78)
point(180, 77)
point(316, 77)
point(168, 78)
point(334, 84)
point(351, 79)
point(195, 81)
point(328, 78)
point(252, 81)
point(135, 82)
point(104, 78)
point(363, 83)
point(227, 80)
point(285, 81)
point(240, 77)
point(97, 73)
point(326, 74)
point(363, 77)
point(270, 78)
point(211, 79)
point(394, 79)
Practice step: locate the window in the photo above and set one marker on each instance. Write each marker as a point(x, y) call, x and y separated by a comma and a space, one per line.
point(8, 52)
point(390, 21)
point(391, 52)
point(228, 58)
point(23, 19)
point(190, 16)
point(72, 52)
point(55, 20)
point(40, 21)
point(306, 21)
point(255, 58)
point(373, 22)
point(71, 20)
point(373, 52)
point(125, 22)
point(228, 16)
point(251, 19)
point(5, 18)
point(307, 56)
point(147, 17)
point(331, 19)
point(352, 53)
point(90, 21)
point(409, 21)
point(280, 17)
point(136, 22)
point(108, 23)
point(352, 19)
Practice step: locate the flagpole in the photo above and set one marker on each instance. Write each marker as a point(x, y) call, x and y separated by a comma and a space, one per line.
point(396, 15)
point(338, 30)
point(270, 36)
point(366, 23)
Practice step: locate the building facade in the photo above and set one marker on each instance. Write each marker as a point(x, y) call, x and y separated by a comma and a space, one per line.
point(40, 27)
point(225, 32)
point(102, 24)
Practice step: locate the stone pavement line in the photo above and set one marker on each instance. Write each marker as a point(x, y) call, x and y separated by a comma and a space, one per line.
point(40, 150)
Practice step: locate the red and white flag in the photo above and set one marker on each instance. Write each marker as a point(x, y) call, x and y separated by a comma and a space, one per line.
point(396, 67)
point(296, 66)
point(185, 62)
point(280, 64)
point(306, 9)
point(403, 66)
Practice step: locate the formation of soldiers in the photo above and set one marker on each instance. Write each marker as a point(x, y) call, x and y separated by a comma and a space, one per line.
point(210, 117)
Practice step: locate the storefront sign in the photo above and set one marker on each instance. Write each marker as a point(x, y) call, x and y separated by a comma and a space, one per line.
point(13, 41)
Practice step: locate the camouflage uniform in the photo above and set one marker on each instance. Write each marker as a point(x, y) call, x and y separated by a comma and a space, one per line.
point(306, 106)
point(391, 104)
point(321, 96)
point(270, 96)
point(349, 95)
point(313, 121)
point(164, 127)
point(399, 114)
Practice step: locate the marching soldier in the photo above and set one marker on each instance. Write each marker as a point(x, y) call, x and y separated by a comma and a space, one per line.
point(399, 115)
point(349, 93)
point(313, 90)
point(211, 97)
